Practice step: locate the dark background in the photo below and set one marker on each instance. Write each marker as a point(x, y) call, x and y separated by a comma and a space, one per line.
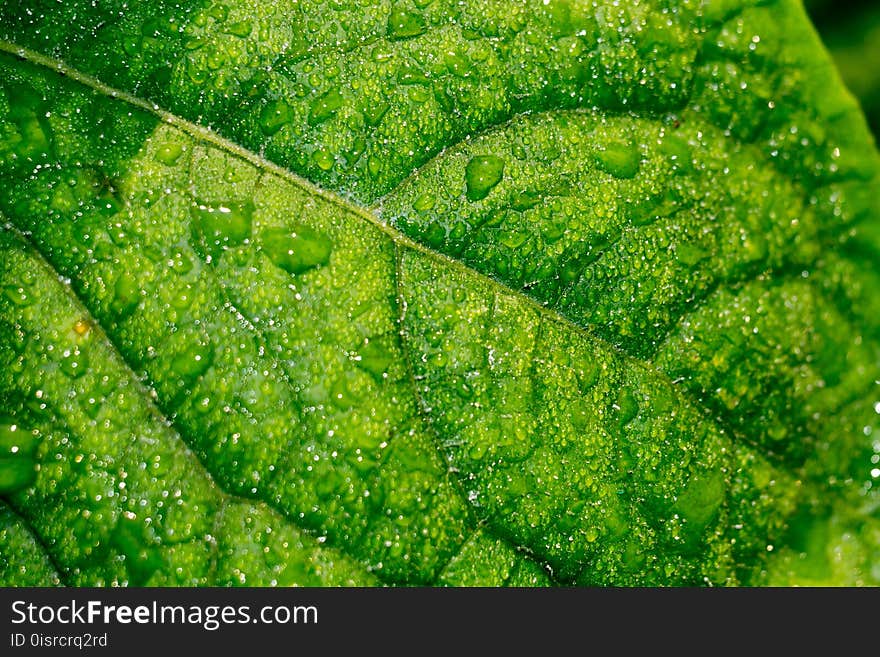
point(851, 31)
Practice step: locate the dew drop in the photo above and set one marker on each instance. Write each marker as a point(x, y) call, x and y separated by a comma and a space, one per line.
point(457, 64)
point(376, 356)
point(296, 250)
point(241, 29)
point(405, 24)
point(323, 158)
point(221, 225)
point(74, 363)
point(17, 449)
point(627, 406)
point(424, 202)
point(701, 499)
point(168, 154)
point(482, 173)
point(192, 362)
point(275, 116)
point(323, 107)
point(620, 159)
point(678, 151)
point(126, 295)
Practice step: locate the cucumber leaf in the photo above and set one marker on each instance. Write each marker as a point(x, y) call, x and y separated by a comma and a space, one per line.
point(435, 293)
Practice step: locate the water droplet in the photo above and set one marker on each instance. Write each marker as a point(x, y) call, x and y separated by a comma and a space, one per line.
point(689, 254)
point(135, 539)
point(382, 53)
point(477, 451)
point(296, 250)
point(424, 202)
point(219, 226)
point(620, 159)
point(34, 134)
point(376, 356)
point(525, 200)
point(627, 406)
point(587, 375)
point(219, 12)
point(17, 462)
point(242, 29)
point(17, 295)
point(192, 362)
point(74, 363)
point(275, 115)
point(678, 151)
point(649, 209)
point(457, 64)
point(405, 24)
point(323, 107)
point(374, 166)
point(482, 173)
point(341, 394)
point(323, 158)
point(701, 499)
point(513, 238)
point(168, 154)
point(412, 75)
point(126, 295)
point(374, 112)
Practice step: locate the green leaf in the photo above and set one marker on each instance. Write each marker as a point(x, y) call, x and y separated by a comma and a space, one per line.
point(435, 293)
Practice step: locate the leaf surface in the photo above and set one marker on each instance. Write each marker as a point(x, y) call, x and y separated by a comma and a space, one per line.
point(584, 294)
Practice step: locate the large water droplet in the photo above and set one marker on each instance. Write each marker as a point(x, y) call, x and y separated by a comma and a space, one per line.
point(74, 363)
point(626, 407)
point(275, 116)
point(221, 225)
point(17, 449)
point(168, 154)
point(404, 24)
point(323, 107)
point(619, 158)
point(242, 29)
point(126, 295)
point(376, 356)
point(424, 202)
point(136, 540)
point(374, 112)
point(192, 362)
point(296, 250)
point(323, 158)
point(701, 499)
point(457, 64)
point(678, 151)
point(482, 173)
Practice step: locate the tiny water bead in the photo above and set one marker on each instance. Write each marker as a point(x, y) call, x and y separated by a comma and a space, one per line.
point(482, 174)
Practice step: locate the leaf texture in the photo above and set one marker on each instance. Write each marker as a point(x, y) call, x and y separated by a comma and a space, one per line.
point(435, 293)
